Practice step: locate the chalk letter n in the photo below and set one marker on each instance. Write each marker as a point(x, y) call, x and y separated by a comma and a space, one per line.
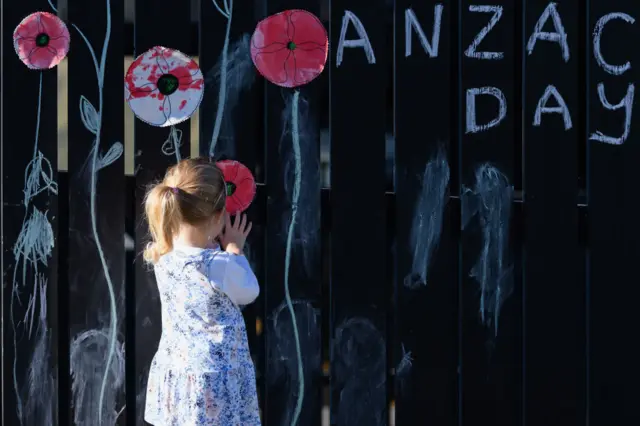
point(363, 41)
point(411, 23)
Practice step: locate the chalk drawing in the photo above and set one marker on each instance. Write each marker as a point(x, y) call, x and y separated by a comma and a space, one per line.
point(597, 38)
point(490, 199)
point(92, 120)
point(403, 370)
point(472, 125)
point(559, 36)
point(542, 107)
point(358, 353)
point(171, 146)
point(627, 104)
point(411, 24)
point(471, 50)
point(362, 41)
point(233, 74)
point(283, 363)
point(428, 217)
point(86, 358)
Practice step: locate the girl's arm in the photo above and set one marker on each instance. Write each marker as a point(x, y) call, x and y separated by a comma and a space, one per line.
point(239, 282)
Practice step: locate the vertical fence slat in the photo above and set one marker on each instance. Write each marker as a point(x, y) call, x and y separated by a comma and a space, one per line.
point(491, 296)
point(614, 238)
point(554, 297)
point(232, 123)
point(292, 398)
point(96, 213)
point(29, 233)
point(158, 23)
point(359, 295)
point(426, 350)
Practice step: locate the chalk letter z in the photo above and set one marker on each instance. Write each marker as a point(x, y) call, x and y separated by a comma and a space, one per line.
point(471, 50)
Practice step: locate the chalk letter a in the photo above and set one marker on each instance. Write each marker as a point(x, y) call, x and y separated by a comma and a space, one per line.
point(542, 107)
point(472, 125)
point(559, 36)
point(627, 103)
point(363, 41)
point(411, 23)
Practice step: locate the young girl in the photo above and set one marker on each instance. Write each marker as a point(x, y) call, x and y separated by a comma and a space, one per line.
point(202, 373)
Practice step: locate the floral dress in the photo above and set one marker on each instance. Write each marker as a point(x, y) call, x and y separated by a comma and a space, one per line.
point(202, 373)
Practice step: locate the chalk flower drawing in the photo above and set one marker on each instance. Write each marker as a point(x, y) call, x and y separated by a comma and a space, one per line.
point(41, 40)
point(163, 87)
point(290, 48)
point(241, 186)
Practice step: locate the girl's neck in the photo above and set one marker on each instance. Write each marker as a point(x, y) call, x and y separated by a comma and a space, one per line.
point(190, 236)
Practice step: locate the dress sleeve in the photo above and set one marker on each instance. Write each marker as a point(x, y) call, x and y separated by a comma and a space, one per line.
point(232, 275)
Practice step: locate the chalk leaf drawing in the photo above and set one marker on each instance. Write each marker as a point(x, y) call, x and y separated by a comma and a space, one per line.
point(241, 186)
point(88, 115)
point(114, 152)
point(300, 43)
point(41, 40)
point(428, 218)
point(490, 201)
point(171, 145)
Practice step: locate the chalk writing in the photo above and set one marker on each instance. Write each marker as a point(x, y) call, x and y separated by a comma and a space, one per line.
point(471, 50)
point(559, 36)
point(472, 125)
point(427, 218)
point(597, 36)
point(362, 41)
point(542, 107)
point(627, 104)
point(411, 23)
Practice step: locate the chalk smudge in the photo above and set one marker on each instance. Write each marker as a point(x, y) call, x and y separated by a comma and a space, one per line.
point(428, 218)
point(403, 371)
point(283, 357)
point(171, 146)
point(490, 200)
point(359, 368)
point(87, 368)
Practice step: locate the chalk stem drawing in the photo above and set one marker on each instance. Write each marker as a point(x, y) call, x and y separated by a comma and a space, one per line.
point(295, 140)
point(92, 120)
point(172, 144)
point(222, 93)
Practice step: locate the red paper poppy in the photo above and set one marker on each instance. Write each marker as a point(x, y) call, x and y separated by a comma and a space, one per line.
point(163, 86)
point(41, 40)
point(241, 187)
point(290, 48)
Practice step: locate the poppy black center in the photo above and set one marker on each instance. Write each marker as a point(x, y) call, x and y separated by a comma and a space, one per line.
point(168, 84)
point(42, 40)
point(231, 188)
point(291, 45)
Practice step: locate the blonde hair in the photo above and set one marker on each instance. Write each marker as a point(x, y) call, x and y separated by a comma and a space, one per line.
point(192, 192)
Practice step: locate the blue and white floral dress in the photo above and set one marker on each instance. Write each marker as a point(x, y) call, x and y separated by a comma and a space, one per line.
point(202, 373)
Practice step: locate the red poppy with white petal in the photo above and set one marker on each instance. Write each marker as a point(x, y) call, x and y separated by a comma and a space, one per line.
point(290, 48)
point(241, 186)
point(41, 40)
point(163, 86)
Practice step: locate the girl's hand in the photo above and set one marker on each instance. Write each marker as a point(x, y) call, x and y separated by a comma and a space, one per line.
point(234, 235)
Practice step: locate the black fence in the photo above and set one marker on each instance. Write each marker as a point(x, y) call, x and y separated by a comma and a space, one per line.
point(472, 260)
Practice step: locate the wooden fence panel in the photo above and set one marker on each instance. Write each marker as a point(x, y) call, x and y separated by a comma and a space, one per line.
point(232, 123)
point(612, 132)
point(293, 370)
point(30, 325)
point(359, 287)
point(491, 296)
point(151, 163)
point(426, 350)
point(554, 295)
point(96, 213)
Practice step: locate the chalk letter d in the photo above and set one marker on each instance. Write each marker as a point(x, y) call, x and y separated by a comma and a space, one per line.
point(472, 125)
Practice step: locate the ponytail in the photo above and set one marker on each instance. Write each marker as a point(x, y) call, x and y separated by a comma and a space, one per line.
point(163, 214)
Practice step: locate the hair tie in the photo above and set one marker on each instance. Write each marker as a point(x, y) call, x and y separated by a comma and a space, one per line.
point(174, 189)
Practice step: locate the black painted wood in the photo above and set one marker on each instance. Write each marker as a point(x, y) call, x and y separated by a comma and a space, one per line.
point(554, 264)
point(283, 404)
point(151, 164)
point(426, 350)
point(96, 214)
point(491, 341)
point(359, 289)
point(31, 334)
point(614, 240)
point(239, 135)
